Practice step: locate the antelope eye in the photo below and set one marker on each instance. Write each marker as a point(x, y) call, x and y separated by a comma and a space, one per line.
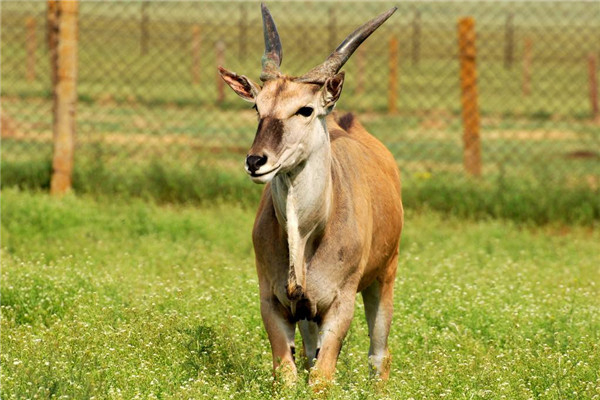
point(305, 111)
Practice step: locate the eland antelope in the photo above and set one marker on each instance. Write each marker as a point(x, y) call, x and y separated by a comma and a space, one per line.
point(329, 221)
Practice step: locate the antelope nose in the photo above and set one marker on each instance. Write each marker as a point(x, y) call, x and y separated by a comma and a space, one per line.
point(255, 162)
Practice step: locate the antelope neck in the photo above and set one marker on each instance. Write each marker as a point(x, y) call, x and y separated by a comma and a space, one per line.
point(302, 199)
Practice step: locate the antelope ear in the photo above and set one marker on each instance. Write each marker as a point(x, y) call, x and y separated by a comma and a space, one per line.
point(332, 89)
point(243, 86)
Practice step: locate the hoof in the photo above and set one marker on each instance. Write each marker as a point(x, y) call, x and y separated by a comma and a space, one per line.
point(319, 382)
point(380, 369)
point(285, 374)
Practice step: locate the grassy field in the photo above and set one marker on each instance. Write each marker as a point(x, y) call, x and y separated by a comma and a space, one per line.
point(110, 298)
point(543, 198)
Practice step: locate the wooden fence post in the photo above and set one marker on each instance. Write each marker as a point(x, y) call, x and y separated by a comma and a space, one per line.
point(220, 56)
point(526, 84)
point(31, 45)
point(593, 83)
point(470, 108)
point(393, 76)
point(195, 55)
point(65, 98)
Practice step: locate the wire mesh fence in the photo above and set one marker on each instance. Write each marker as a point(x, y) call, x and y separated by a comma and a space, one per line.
point(149, 96)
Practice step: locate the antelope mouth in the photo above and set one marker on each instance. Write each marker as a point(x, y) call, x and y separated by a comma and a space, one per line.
point(254, 174)
point(264, 177)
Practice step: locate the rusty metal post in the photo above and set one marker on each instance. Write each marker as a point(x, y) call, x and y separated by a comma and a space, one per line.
point(470, 108)
point(195, 54)
point(593, 83)
point(360, 71)
point(416, 38)
point(31, 45)
point(243, 31)
point(526, 84)
point(144, 34)
point(52, 37)
point(393, 76)
point(509, 45)
point(220, 56)
point(65, 98)
point(332, 27)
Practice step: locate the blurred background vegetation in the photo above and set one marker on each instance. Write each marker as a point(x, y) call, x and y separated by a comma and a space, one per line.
point(153, 119)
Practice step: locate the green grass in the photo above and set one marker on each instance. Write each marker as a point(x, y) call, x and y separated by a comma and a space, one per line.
point(538, 197)
point(121, 298)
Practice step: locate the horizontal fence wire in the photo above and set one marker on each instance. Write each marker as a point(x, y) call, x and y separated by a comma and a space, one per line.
point(149, 93)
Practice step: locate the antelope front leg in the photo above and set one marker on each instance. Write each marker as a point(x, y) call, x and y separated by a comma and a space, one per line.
point(281, 335)
point(333, 330)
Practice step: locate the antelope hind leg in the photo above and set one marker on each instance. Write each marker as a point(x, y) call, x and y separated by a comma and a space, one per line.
point(378, 299)
point(310, 341)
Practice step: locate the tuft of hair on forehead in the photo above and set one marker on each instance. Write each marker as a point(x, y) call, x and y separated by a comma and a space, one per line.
point(287, 87)
point(284, 81)
point(281, 86)
point(314, 87)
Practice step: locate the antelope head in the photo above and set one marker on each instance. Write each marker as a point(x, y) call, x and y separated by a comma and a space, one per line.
point(292, 110)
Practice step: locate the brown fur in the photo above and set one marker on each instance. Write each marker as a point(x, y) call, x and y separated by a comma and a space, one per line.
point(330, 218)
point(357, 248)
point(268, 135)
point(345, 121)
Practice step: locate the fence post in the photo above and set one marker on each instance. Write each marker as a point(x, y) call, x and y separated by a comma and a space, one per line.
point(593, 82)
point(31, 45)
point(509, 45)
point(332, 28)
point(243, 32)
point(144, 28)
point(468, 84)
point(360, 70)
point(416, 38)
point(65, 98)
point(528, 44)
point(220, 57)
point(52, 37)
point(195, 55)
point(393, 76)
